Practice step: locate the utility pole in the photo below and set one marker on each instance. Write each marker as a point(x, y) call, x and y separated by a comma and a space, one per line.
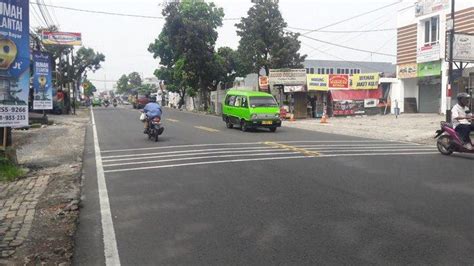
point(450, 71)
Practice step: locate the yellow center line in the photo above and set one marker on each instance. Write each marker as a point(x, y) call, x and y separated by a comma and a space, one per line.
point(171, 120)
point(292, 148)
point(207, 129)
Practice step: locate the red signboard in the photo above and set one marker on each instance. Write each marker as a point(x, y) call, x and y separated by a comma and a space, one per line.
point(339, 81)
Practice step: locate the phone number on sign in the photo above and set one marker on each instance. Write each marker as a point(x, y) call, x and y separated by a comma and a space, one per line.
point(14, 109)
point(12, 117)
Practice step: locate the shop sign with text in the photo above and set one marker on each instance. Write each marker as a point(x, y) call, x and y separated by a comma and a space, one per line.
point(42, 82)
point(369, 81)
point(428, 53)
point(62, 38)
point(406, 71)
point(339, 81)
point(429, 69)
point(291, 77)
point(318, 82)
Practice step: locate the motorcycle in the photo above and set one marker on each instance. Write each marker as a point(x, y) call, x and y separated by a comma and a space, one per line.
point(449, 140)
point(106, 104)
point(155, 129)
point(115, 104)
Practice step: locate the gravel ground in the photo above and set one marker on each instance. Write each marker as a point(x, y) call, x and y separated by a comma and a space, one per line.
point(417, 128)
point(55, 151)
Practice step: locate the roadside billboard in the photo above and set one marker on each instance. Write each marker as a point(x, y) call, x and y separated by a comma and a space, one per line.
point(42, 82)
point(425, 7)
point(14, 62)
point(429, 69)
point(318, 82)
point(263, 83)
point(62, 38)
point(368, 81)
point(287, 77)
point(463, 48)
point(428, 53)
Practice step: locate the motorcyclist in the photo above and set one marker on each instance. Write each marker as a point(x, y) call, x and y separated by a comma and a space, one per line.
point(114, 101)
point(152, 109)
point(461, 118)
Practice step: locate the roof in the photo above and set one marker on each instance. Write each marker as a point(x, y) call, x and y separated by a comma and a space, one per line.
point(365, 67)
point(248, 93)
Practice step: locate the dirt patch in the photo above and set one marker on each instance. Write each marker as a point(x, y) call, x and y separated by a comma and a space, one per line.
point(55, 151)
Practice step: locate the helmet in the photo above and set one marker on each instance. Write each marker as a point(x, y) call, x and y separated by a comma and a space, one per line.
point(462, 95)
point(152, 99)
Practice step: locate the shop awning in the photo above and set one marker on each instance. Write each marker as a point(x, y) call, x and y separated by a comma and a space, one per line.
point(341, 95)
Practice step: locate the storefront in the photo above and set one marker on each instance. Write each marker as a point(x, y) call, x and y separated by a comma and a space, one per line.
point(318, 88)
point(289, 86)
point(429, 87)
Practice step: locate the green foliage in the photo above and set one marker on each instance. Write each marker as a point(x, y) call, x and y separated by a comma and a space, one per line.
point(134, 80)
point(8, 171)
point(122, 84)
point(264, 43)
point(86, 59)
point(185, 46)
point(89, 88)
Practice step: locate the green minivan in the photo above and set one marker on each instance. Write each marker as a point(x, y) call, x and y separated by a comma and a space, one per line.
point(251, 109)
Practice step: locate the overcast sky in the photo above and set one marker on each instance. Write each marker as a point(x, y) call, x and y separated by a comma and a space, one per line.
point(124, 40)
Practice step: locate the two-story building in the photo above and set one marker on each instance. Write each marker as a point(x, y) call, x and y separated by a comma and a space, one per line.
point(422, 67)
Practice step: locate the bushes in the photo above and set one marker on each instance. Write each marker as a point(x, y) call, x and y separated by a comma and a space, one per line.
point(9, 171)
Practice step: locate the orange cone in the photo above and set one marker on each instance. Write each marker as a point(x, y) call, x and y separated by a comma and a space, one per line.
point(324, 119)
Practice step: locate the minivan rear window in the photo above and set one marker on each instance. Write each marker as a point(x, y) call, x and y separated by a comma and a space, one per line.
point(262, 102)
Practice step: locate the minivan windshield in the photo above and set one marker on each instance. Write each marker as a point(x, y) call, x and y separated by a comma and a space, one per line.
point(262, 102)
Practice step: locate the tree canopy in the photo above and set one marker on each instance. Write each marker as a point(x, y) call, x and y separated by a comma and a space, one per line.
point(264, 42)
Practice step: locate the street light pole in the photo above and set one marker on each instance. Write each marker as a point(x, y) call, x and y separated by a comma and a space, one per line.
point(450, 71)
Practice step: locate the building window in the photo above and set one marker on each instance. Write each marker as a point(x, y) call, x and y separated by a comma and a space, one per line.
point(352, 71)
point(347, 71)
point(338, 71)
point(311, 70)
point(307, 71)
point(319, 70)
point(431, 31)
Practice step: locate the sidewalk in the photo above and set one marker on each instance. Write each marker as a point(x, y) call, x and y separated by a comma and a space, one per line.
point(417, 128)
point(38, 213)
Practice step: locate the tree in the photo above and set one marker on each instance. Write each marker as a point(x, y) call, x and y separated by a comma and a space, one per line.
point(89, 88)
point(264, 43)
point(134, 80)
point(227, 65)
point(188, 38)
point(86, 59)
point(122, 85)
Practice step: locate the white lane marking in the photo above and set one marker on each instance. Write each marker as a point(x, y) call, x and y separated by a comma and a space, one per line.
point(110, 242)
point(208, 129)
point(359, 145)
point(376, 150)
point(202, 157)
point(339, 149)
point(243, 143)
point(172, 120)
point(211, 162)
point(188, 154)
point(377, 154)
point(187, 151)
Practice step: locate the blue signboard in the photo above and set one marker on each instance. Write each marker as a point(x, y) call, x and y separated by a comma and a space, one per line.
point(14, 62)
point(42, 82)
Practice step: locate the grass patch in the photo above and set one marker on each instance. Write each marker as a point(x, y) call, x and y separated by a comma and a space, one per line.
point(8, 171)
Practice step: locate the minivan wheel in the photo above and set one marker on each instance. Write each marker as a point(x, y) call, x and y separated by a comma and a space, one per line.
point(228, 124)
point(243, 126)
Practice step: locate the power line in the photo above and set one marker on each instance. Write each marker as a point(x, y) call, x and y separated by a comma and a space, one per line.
point(351, 18)
point(38, 17)
point(54, 15)
point(340, 58)
point(344, 31)
point(109, 13)
point(40, 7)
point(347, 47)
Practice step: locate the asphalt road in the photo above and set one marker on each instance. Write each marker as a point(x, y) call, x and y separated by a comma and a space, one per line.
point(207, 195)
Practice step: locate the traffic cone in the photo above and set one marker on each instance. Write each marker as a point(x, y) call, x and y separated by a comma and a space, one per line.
point(324, 119)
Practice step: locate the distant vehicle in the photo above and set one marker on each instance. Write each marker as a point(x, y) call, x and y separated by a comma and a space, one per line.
point(96, 102)
point(250, 109)
point(140, 101)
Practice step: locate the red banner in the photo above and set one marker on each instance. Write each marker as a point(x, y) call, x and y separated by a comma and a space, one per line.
point(339, 81)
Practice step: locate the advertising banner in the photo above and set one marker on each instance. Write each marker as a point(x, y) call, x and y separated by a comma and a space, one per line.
point(369, 81)
point(348, 107)
point(42, 82)
point(406, 71)
point(62, 38)
point(339, 81)
point(429, 69)
point(287, 89)
point(318, 82)
point(14, 62)
point(263, 83)
point(287, 77)
point(428, 53)
point(425, 7)
point(463, 50)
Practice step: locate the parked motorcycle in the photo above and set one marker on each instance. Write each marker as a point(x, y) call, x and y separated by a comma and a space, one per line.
point(449, 140)
point(155, 129)
point(106, 104)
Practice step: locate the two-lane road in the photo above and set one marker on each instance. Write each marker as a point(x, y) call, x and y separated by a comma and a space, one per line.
point(207, 195)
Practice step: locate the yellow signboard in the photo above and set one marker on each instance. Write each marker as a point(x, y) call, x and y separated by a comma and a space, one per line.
point(317, 82)
point(368, 81)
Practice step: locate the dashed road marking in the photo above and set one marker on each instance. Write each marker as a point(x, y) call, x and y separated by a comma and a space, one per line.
point(207, 129)
point(172, 120)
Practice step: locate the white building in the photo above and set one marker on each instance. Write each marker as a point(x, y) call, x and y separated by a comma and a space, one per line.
point(422, 68)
